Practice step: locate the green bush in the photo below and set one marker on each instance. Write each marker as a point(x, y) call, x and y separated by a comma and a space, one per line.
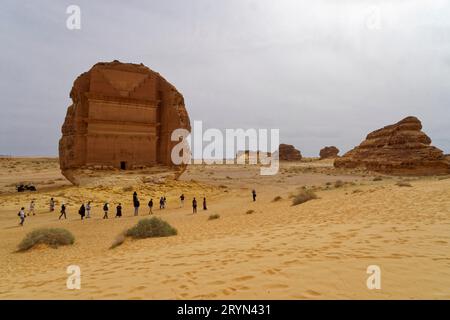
point(53, 237)
point(303, 196)
point(214, 216)
point(151, 228)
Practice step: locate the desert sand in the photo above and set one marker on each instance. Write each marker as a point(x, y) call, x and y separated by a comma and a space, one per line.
point(256, 250)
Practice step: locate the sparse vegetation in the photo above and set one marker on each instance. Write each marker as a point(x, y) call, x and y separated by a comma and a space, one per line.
point(339, 184)
point(214, 216)
point(303, 196)
point(250, 211)
point(53, 237)
point(151, 228)
point(377, 179)
point(403, 184)
point(277, 198)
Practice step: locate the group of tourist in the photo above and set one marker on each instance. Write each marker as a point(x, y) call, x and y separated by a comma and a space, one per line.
point(85, 209)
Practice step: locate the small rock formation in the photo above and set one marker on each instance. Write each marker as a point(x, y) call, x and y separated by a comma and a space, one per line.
point(287, 152)
point(398, 149)
point(121, 117)
point(329, 152)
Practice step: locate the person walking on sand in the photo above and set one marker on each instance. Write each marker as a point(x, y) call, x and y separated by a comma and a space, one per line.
point(161, 203)
point(182, 200)
point(204, 204)
point(119, 210)
point(82, 211)
point(105, 210)
point(194, 206)
point(63, 211)
point(150, 206)
point(88, 210)
point(136, 205)
point(21, 215)
point(52, 205)
point(254, 195)
point(31, 211)
point(164, 202)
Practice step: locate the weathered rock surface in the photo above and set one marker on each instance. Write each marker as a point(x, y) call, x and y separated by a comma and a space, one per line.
point(329, 152)
point(398, 149)
point(287, 152)
point(121, 117)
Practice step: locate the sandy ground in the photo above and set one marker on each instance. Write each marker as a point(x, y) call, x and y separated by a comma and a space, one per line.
point(317, 250)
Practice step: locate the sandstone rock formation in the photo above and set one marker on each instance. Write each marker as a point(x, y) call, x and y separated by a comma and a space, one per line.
point(329, 152)
point(287, 152)
point(122, 117)
point(398, 149)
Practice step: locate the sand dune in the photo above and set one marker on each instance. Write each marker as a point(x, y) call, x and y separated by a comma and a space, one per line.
point(317, 250)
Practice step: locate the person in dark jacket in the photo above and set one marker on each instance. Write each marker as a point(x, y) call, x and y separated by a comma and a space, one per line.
point(150, 206)
point(182, 200)
point(254, 194)
point(204, 204)
point(119, 210)
point(63, 211)
point(82, 211)
point(194, 205)
point(105, 210)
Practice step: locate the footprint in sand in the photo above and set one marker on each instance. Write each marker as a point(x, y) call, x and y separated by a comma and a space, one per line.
point(312, 293)
point(244, 278)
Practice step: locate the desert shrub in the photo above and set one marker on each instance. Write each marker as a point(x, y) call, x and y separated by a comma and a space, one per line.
point(53, 237)
point(403, 184)
point(150, 228)
point(214, 216)
point(250, 211)
point(377, 179)
point(222, 186)
point(357, 191)
point(303, 196)
point(338, 184)
point(277, 198)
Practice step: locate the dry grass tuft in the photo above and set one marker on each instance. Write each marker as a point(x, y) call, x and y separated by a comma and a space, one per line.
point(303, 196)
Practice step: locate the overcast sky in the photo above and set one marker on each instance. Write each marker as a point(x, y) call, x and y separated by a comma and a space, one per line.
point(323, 72)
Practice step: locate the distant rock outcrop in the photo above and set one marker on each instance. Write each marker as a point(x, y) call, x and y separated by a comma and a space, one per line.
point(287, 152)
point(121, 117)
point(398, 149)
point(329, 152)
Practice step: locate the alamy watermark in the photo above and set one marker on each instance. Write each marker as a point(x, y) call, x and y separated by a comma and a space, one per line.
point(74, 279)
point(254, 145)
point(73, 21)
point(374, 280)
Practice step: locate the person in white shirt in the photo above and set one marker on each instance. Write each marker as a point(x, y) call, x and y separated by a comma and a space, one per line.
point(21, 215)
point(88, 209)
point(31, 211)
